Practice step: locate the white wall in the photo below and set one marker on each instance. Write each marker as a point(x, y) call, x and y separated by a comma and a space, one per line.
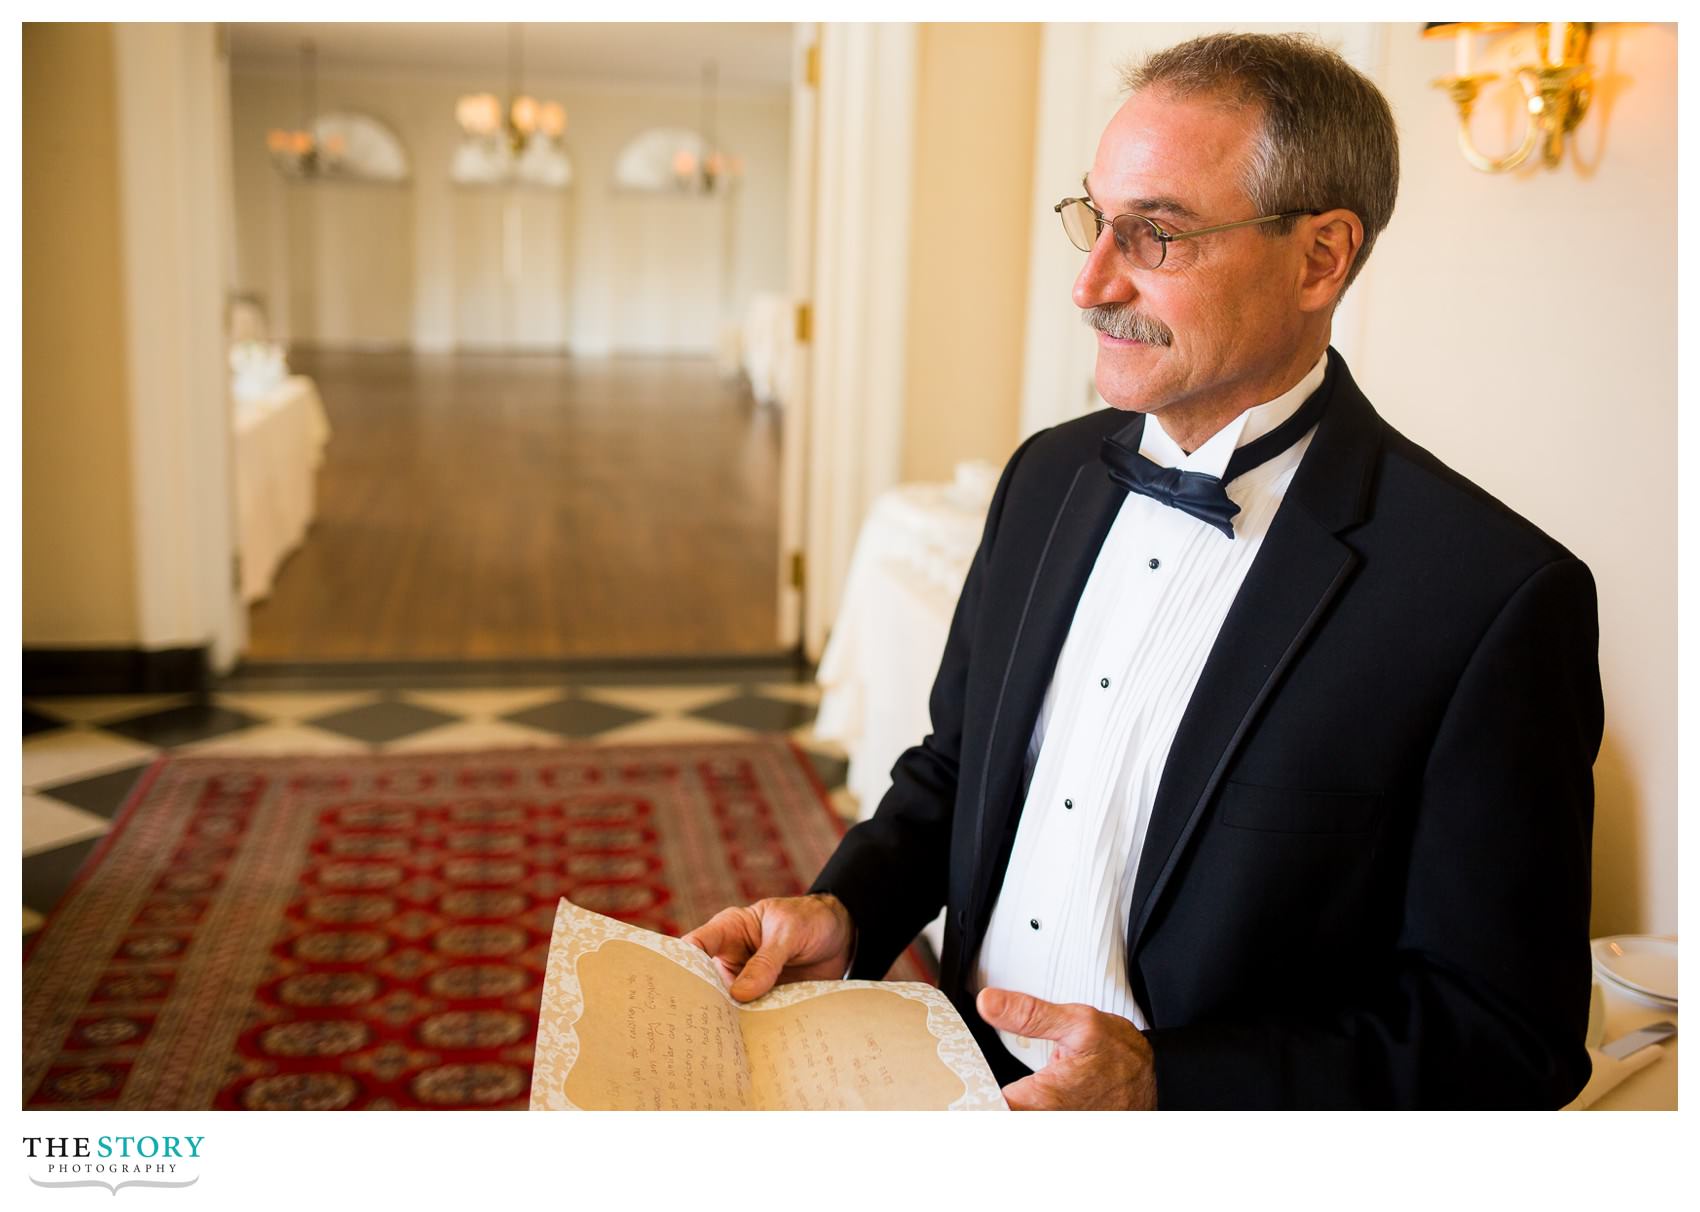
point(423, 263)
point(1493, 327)
point(1532, 358)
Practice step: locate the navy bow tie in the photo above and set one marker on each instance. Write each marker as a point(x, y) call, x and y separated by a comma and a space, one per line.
point(1192, 492)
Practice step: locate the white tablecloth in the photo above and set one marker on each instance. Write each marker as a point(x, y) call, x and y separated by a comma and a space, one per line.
point(280, 441)
point(1653, 1088)
point(766, 347)
point(911, 558)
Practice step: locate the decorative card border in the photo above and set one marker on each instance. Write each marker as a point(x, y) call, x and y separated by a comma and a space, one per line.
point(579, 932)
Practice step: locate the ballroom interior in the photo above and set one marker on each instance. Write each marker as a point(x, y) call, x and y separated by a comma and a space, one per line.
point(461, 396)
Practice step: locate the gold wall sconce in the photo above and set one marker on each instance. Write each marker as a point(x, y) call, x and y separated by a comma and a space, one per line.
point(1556, 89)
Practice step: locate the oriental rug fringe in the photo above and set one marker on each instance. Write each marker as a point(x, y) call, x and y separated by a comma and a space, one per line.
point(371, 933)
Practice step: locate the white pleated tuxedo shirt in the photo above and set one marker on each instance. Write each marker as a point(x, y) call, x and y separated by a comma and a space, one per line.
point(1156, 598)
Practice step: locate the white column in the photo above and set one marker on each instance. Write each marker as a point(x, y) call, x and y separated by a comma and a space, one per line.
point(174, 187)
point(867, 115)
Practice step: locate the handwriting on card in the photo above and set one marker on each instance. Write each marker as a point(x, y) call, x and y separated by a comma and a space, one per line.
point(655, 1035)
point(852, 1049)
point(634, 1020)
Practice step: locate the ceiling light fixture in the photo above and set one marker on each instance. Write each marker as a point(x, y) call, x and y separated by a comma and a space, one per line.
point(299, 152)
point(519, 142)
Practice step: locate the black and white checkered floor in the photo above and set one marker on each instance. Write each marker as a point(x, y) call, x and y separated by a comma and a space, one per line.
point(81, 756)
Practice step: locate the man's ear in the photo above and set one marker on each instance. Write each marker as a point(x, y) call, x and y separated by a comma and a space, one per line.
point(1332, 242)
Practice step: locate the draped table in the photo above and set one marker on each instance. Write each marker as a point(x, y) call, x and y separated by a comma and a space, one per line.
point(1652, 1088)
point(906, 572)
point(765, 347)
point(279, 444)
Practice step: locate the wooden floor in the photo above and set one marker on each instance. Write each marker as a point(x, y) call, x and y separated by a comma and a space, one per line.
point(531, 506)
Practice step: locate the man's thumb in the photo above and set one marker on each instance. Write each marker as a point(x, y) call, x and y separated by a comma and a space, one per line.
point(759, 972)
point(1019, 1013)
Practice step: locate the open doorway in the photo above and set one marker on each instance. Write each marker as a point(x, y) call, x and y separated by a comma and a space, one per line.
point(539, 429)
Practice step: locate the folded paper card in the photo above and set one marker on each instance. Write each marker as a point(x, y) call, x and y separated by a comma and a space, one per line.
point(633, 1020)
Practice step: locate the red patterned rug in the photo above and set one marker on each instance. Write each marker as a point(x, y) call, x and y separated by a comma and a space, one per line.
point(328, 933)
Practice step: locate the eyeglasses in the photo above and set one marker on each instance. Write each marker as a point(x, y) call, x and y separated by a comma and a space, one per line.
point(1141, 240)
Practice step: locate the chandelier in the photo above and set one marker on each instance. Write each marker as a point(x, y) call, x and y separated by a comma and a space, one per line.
point(701, 166)
point(521, 141)
point(299, 152)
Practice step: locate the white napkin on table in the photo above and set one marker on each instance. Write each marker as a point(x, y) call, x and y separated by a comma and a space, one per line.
point(1610, 1072)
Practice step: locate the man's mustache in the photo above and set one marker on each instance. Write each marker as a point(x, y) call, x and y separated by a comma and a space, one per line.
point(1123, 323)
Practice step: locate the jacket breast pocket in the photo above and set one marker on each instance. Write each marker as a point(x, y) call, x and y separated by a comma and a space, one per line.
point(1297, 810)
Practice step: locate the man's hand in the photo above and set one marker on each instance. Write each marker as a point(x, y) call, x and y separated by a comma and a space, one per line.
point(1101, 1062)
point(778, 940)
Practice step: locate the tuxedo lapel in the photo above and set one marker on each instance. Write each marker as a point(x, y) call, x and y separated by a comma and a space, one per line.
point(1059, 577)
point(1300, 569)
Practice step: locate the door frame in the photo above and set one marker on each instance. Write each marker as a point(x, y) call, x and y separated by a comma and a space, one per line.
point(851, 413)
point(799, 261)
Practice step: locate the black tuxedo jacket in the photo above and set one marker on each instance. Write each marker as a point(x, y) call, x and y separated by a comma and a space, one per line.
point(1366, 876)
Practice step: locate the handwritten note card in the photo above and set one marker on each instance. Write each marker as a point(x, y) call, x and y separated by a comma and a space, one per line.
point(632, 1020)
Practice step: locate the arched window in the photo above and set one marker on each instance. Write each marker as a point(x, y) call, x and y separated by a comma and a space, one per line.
point(663, 159)
point(359, 147)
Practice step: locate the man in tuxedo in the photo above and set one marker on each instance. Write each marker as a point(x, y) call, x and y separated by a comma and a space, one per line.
point(1260, 771)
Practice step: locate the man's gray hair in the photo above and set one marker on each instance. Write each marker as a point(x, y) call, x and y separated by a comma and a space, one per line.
point(1327, 139)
